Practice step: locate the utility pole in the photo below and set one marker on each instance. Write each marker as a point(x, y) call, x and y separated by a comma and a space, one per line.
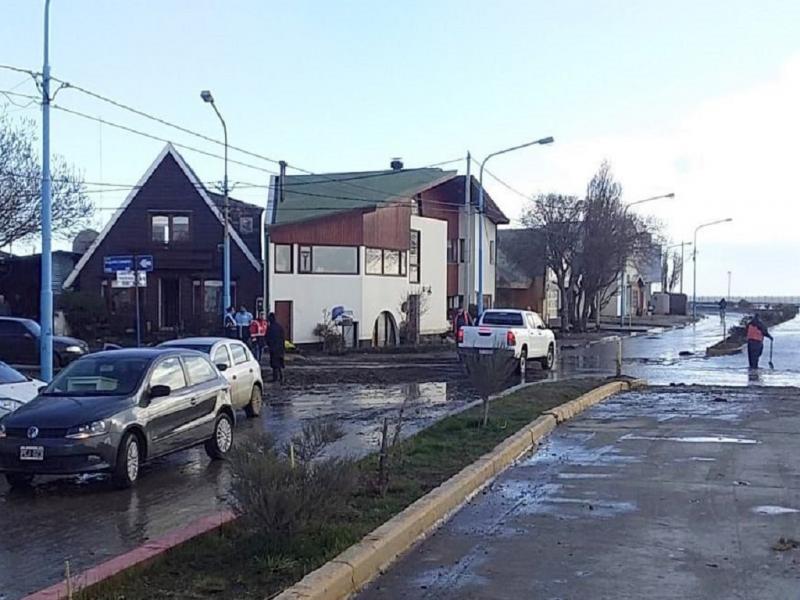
point(694, 261)
point(46, 299)
point(470, 225)
point(729, 286)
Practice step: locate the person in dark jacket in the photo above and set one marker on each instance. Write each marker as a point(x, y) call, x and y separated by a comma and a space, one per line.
point(276, 344)
point(756, 332)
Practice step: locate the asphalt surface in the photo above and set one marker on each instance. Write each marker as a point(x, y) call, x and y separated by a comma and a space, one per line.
point(666, 493)
point(81, 519)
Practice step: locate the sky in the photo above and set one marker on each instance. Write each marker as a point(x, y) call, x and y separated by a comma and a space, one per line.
point(695, 98)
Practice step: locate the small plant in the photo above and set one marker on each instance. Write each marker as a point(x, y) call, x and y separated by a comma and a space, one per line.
point(279, 497)
point(488, 373)
point(331, 338)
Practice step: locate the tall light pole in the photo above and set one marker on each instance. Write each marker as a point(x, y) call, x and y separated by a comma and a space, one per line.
point(542, 141)
point(729, 286)
point(622, 287)
point(694, 261)
point(46, 292)
point(226, 251)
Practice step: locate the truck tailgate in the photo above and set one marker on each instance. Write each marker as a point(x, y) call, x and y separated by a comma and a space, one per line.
point(485, 337)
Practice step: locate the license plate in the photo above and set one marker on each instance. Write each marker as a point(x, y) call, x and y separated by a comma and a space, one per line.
point(487, 351)
point(31, 453)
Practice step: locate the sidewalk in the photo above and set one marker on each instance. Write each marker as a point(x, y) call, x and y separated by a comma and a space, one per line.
point(665, 493)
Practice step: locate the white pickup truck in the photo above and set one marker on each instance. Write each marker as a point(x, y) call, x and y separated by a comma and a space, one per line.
point(522, 331)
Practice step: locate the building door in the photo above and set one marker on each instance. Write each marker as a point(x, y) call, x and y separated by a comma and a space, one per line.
point(169, 302)
point(283, 314)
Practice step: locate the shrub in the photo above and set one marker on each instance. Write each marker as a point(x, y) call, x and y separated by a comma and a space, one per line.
point(85, 313)
point(280, 499)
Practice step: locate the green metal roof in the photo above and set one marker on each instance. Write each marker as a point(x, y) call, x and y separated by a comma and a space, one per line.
point(313, 196)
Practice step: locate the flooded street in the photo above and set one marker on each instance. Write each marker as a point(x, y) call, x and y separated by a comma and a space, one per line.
point(85, 521)
point(664, 493)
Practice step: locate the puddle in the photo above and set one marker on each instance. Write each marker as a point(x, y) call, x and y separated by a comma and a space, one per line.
point(702, 459)
point(774, 510)
point(584, 475)
point(708, 439)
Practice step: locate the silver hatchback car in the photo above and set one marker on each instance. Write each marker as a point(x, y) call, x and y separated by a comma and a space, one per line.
point(111, 411)
point(238, 365)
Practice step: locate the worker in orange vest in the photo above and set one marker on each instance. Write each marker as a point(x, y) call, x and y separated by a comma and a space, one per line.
point(756, 332)
point(258, 335)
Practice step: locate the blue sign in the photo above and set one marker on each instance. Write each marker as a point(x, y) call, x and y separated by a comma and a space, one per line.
point(144, 262)
point(112, 264)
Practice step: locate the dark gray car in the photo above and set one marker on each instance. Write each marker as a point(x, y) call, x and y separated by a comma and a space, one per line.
point(19, 344)
point(111, 411)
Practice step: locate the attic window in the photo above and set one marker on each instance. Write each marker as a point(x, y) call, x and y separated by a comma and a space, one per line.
point(246, 225)
point(168, 229)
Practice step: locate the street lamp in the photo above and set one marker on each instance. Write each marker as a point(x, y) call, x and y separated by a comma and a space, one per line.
point(226, 258)
point(542, 141)
point(625, 258)
point(46, 291)
point(694, 261)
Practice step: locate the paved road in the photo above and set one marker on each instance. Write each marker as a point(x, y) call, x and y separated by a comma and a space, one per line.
point(667, 493)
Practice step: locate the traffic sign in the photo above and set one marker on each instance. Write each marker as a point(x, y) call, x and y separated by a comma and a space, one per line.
point(112, 264)
point(144, 262)
point(127, 279)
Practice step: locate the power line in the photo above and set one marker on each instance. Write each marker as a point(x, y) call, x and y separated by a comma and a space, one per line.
point(505, 184)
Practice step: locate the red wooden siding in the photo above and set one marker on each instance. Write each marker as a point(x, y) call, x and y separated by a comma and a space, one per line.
point(341, 229)
point(388, 227)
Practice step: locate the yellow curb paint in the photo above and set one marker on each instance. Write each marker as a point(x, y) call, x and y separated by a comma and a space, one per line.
point(351, 570)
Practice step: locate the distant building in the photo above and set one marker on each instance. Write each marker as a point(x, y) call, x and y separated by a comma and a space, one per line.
point(20, 280)
point(171, 216)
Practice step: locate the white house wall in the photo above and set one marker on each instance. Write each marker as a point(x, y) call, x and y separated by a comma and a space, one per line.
point(433, 272)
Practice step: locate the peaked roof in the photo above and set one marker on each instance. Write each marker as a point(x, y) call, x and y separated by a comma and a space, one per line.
point(312, 196)
point(170, 150)
point(520, 257)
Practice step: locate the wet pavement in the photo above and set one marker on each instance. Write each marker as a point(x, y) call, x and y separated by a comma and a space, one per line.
point(666, 493)
point(86, 522)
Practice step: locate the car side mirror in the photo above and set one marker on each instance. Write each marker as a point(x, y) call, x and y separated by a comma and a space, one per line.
point(221, 367)
point(27, 336)
point(160, 391)
point(40, 389)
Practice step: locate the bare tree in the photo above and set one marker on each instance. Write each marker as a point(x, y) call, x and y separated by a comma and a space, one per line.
point(20, 188)
point(559, 218)
point(488, 373)
point(674, 277)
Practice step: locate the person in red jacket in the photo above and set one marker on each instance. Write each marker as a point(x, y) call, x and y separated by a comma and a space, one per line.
point(756, 332)
point(258, 335)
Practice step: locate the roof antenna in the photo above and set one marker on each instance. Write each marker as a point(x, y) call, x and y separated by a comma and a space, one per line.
point(396, 164)
point(282, 178)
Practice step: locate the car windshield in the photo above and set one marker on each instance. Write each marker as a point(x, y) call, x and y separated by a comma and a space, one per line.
point(99, 376)
point(9, 375)
point(496, 317)
point(206, 348)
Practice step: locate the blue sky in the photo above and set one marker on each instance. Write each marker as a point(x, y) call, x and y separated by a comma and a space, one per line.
point(696, 98)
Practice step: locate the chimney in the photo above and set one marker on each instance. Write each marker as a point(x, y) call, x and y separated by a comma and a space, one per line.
point(396, 164)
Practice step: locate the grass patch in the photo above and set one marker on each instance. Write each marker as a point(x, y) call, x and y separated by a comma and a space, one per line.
point(234, 562)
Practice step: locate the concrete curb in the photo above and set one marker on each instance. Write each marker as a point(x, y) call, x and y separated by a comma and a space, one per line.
point(351, 570)
point(135, 558)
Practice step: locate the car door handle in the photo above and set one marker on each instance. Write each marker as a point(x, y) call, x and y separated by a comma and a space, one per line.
point(234, 377)
point(193, 401)
point(251, 370)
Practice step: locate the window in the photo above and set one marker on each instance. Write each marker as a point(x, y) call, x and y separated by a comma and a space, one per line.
point(9, 328)
point(160, 227)
point(9, 375)
point(413, 257)
point(385, 262)
point(491, 252)
point(246, 225)
point(169, 372)
point(221, 356)
point(374, 261)
point(166, 229)
point(212, 297)
point(239, 354)
point(463, 254)
point(454, 302)
point(199, 369)
point(283, 258)
point(336, 260)
point(452, 251)
point(499, 317)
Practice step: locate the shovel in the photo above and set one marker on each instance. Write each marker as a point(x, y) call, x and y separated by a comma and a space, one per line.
point(771, 366)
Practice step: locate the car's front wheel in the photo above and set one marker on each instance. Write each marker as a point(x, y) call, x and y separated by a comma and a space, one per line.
point(549, 360)
point(126, 469)
point(222, 440)
point(19, 480)
point(254, 408)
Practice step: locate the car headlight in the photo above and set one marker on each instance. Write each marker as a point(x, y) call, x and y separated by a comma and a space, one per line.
point(74, 349)
point(9, 404)
point(2, 431)
point(81, 432)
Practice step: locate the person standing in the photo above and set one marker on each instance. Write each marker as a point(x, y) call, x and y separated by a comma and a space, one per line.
point(756, 332)
point(229, 323)
point(276, 344)
point(462, 319)
point(258, 332)
point(243, 319)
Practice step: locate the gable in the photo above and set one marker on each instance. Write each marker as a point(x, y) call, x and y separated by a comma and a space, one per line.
point(168, 185)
